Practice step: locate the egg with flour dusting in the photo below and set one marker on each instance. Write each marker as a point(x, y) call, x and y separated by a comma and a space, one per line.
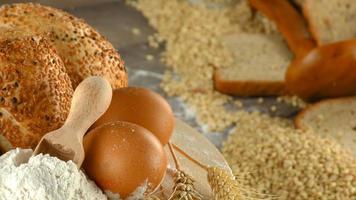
point(122, 156)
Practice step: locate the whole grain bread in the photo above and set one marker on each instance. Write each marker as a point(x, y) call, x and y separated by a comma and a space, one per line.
point(289, 22)
point(333, 118)
point(35, 89)
point(260, 62)
point(83, 50)
point(330, 20)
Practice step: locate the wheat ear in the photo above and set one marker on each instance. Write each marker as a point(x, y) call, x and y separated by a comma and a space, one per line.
point(227, 187)
point(224, 185)
point(183, 183)
point(152, 197)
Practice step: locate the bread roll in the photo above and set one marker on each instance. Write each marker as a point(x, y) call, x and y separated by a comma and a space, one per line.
point(35, 90)
point(83, 50)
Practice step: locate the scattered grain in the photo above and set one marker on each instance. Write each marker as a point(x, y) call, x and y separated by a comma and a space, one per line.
point(279, 160)
point(193, 50)
point(150, 57)
point(275, 157)
point(136, 31)
point(279, 99)
point(154, 41)
point(238, 104)
point(292, 101)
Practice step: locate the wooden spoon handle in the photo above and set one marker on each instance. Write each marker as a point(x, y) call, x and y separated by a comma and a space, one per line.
point(90, 100)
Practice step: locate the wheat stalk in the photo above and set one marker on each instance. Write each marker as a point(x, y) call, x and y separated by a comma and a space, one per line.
point(224, 185)
point(228, 187)
point(184, 188)
point(152, 197)
point(158, 195)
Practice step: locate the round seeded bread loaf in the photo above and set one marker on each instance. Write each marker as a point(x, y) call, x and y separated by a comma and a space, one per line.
point(83, 50)
point(35, 89)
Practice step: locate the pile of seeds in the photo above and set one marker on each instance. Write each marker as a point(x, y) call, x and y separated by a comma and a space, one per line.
point(277, 159)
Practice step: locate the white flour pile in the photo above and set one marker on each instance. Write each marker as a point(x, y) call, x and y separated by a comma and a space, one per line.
point(43, 177)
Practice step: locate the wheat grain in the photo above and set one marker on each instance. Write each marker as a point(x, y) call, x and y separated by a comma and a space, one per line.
point(184, 187)
point(227, 187)
point(288, 163)
point(193, 50)
point(152, 197)
point(223, 185)
point(292, 101)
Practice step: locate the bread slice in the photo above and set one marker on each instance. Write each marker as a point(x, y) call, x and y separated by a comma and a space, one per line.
point(334, 118)
point(260, 62)
point(35, 89)
point(289, 22)
point(331, 20)
point(83, 50)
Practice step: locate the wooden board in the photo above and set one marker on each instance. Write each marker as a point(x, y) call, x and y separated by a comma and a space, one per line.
point(199, 148)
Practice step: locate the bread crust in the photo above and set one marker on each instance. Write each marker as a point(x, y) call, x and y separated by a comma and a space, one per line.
point(289, 22)
point(298, 120)
point(248, 88)
point(327, 71)
point(292, 26)
point(305, 5)
point(83, 50)
point(35, 90)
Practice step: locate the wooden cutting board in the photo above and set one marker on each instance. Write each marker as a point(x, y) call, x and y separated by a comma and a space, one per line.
point(198, 147)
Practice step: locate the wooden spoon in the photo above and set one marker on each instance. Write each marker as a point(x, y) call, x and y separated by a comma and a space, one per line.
point(91, 99)
point(327, 71)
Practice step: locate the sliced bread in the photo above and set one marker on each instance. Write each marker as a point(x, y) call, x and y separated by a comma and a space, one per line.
point(332, 118)
point(260, 62)
point(289, 22)
point(330, 20)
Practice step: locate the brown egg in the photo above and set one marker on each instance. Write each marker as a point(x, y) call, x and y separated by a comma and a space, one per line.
point(143, 107)
point(121, 156)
